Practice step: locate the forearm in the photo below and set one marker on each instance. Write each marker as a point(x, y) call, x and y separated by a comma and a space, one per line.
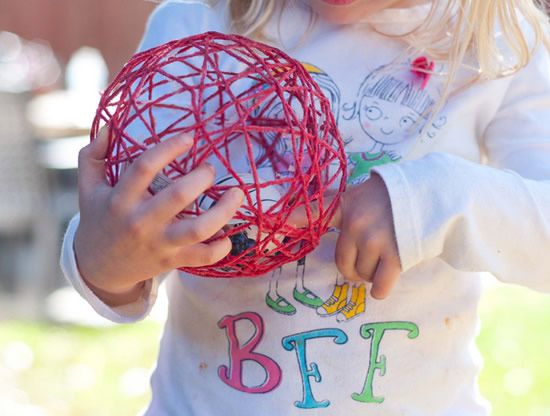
point(115, 299)
point(474, 217)
point(134, 307)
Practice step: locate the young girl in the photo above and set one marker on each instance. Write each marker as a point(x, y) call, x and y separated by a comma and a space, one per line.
point(445, 110)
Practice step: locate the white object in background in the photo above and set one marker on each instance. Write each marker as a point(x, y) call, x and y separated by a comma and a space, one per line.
point(71, 111)
point(26, 65)
point(61, 153)
point(86, 72)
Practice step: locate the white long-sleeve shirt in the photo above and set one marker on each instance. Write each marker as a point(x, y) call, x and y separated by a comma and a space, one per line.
point(302, 341)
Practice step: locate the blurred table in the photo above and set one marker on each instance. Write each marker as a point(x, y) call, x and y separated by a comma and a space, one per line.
point(62, 114)
point(61, 153)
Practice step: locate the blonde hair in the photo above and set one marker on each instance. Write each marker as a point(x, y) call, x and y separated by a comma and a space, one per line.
point(449, 33)
point(454, 32)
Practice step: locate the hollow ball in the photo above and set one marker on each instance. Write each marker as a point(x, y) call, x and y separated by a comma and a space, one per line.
point(257, 116)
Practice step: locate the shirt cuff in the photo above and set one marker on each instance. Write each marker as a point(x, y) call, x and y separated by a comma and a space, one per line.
point(131, 312)
point(403, 212)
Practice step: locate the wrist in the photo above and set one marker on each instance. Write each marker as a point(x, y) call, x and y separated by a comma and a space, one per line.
point(112, 296)
point(120, 296)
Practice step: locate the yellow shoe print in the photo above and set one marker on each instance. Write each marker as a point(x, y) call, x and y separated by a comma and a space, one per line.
point(336, 302)
point(356, 305)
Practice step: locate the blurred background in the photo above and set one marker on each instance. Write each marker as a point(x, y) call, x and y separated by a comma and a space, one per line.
point(56, 356)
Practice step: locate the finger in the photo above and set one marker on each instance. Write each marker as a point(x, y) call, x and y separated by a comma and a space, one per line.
point(143, 170)
point(190, 231)
point(345, 257)
point(181, 193)
point(299, 216)
point(367, 261)
point(205, 254)
point(385, 278)
point(91, 163)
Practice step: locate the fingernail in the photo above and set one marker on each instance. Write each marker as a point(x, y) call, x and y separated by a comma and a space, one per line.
point(209, 166)
point(236, 193)
point(219, 234)
point(185, 140)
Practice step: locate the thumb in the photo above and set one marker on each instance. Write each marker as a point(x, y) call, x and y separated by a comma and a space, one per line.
point(299, 216)
point(91, 162)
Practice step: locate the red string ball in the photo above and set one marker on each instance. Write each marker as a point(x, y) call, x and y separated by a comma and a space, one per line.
point(257, 116)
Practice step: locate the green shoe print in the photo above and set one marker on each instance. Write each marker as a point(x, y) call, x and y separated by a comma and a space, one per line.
point(280, 305)
point(307, 298)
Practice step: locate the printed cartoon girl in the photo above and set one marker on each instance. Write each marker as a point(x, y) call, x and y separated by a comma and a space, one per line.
point(392, 107)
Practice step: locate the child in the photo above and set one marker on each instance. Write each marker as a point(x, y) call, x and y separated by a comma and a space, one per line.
point(425, 92)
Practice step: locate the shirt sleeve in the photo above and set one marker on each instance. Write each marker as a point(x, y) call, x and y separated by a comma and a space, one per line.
point(173, 19)
point(485, 218)
point(176, 19)
point(121, 314)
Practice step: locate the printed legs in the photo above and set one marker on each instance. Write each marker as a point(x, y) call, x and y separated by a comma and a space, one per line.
point(301, 293)
point(274, 300)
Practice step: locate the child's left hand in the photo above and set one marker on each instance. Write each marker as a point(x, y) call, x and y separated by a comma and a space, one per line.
point(366, 248)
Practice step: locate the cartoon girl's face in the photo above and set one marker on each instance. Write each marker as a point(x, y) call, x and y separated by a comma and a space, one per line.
point(386, 122)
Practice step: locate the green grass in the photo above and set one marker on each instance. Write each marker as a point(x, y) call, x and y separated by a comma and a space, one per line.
point(68, 370)
point(515, 343)
point(77, 370)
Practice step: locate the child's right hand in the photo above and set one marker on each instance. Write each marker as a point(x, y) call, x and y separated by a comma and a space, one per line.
point(126, 236)
point(366, 248)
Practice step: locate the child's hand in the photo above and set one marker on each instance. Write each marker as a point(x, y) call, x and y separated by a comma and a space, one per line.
point(366, 248)
point(126, 236)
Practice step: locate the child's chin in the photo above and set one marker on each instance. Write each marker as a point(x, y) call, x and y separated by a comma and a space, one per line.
point(339, 17)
